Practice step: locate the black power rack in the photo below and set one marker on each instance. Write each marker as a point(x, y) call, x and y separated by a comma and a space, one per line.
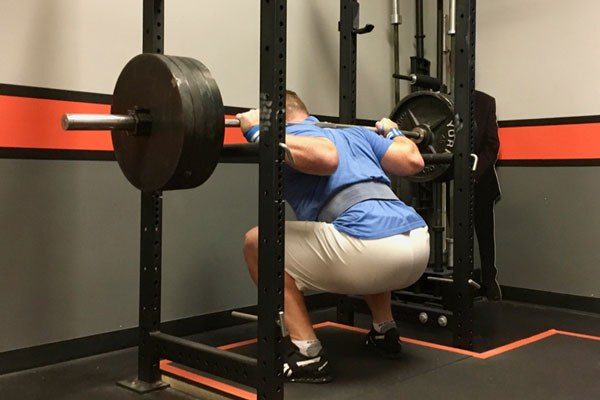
point(264, 373)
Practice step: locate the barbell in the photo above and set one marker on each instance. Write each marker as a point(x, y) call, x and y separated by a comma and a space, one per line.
point(131, 123)
point(168, 123)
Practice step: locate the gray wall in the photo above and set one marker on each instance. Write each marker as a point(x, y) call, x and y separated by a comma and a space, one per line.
point(70, 249)
point(548, 226)
point(539, 57)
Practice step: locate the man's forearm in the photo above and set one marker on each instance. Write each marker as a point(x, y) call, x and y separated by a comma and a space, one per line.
point(312, 155)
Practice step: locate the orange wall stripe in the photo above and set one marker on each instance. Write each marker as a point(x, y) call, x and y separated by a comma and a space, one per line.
point(550, 142)
point(233, 135)
point(35, 124)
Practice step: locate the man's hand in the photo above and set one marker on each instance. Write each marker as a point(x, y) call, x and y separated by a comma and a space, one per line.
point(385, 125)
point(249, 123)
point(388, 128)
point(248, 119)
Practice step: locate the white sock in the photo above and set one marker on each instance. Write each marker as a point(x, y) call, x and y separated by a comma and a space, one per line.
point(385, 326)
point(308, 348)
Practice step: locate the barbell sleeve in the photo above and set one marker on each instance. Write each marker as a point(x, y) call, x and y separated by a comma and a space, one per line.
point(396, 17)
point(452, 12)
point(433, 159)
point(98, 122)
point(421, 80)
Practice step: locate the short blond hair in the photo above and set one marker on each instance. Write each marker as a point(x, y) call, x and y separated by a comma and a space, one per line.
point(294, 104)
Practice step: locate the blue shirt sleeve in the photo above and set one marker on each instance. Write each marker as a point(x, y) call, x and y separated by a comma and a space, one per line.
point(378, 143)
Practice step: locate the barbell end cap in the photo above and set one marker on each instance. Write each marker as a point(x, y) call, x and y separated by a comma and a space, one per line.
point(474, 284)
point(64, 122)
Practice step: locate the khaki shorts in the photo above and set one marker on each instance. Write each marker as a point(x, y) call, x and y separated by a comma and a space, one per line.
point(321, 258)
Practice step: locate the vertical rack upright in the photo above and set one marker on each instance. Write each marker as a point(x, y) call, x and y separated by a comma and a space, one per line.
point(464, 99)
point(271, 213)
point(148, 378)
point(349, 15)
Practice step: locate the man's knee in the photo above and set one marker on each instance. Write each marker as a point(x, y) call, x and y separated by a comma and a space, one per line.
point(251, 243)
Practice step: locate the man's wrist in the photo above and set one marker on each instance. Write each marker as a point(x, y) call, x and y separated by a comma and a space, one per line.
point(394, 133)
point(252, 135)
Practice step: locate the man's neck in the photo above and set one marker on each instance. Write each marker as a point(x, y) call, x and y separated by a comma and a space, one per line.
point(297, 118)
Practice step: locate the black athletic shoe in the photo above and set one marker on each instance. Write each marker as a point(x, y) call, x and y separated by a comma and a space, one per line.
point(300, 368)
point(386, 344)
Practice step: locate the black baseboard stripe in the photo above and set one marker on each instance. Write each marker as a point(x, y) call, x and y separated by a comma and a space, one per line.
point(593, 162)
point(54, 94)
point(230, 110)
point(584, 119)
point(52, 353)
point(71, 95)
point(53, 154)
point(550, 299)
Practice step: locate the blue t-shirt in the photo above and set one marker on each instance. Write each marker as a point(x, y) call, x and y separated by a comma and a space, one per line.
point(360, 152)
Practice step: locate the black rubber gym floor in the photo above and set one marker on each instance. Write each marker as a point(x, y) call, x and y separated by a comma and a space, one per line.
point(548, 364)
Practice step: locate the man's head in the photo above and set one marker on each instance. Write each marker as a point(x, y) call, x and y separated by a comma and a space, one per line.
point(295, 108)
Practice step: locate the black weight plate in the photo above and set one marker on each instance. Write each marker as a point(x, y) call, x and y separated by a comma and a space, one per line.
point(151, 82)
point(203, 151)
point(433, 112)
point(175, 155)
